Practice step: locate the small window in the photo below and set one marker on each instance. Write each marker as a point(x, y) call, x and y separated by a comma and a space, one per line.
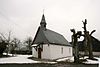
point(69, 50)
point(62, 50)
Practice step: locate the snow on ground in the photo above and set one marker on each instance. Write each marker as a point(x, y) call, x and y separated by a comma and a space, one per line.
point(89, 61)
point(69, 59)
point(24, 59)
point(18, 59)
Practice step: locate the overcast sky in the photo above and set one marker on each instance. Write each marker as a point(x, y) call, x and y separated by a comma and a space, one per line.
point(23, 17)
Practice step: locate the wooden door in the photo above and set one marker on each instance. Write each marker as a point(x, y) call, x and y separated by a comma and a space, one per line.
point(39, 53)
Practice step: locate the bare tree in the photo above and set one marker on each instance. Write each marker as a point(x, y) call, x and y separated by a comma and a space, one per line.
point(75, 37)
point(28, 41)
point(14, 44)
point(2, 47)
point(8, 41)
point(87, 38)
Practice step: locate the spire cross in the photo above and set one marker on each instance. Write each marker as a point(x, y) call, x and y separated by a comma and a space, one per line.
point(43, 11)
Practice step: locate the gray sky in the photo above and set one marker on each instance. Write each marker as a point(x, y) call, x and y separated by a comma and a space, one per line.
point(23, 17)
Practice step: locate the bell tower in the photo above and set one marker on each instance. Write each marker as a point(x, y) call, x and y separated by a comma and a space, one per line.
point(43, 22)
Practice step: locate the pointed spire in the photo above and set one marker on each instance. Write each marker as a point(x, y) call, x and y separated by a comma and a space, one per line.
point(43, 22)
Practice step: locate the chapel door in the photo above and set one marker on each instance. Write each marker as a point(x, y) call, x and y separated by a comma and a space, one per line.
point(39, 53)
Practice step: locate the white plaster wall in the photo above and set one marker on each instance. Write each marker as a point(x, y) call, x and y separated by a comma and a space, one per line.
point(56, 51)
point(46, 52)
point(34, 52)
point(53, 51)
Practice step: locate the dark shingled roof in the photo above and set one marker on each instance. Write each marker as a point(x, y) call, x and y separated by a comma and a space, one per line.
point(55, 38)
point(47, 36)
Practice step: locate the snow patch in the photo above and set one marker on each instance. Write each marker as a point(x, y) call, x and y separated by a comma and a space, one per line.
point(92, 61)
point(20, 59)
point(69, 59)
point(17, 59)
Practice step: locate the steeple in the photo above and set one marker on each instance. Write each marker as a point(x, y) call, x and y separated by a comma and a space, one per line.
point(43, 22)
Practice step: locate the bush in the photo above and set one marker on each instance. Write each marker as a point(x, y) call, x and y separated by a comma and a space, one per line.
point(23, 52)
point(2, 47)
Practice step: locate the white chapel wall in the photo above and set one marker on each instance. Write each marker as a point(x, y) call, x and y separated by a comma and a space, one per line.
point(52, 51)
point(46, 52)
point(34, 52)
point(58, 51)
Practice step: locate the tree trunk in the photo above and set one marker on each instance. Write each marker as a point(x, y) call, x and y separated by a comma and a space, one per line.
point(86, 44)
point(76, 54)
point(90, 47)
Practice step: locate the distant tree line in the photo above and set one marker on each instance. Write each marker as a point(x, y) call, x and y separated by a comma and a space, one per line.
point(12, 45)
